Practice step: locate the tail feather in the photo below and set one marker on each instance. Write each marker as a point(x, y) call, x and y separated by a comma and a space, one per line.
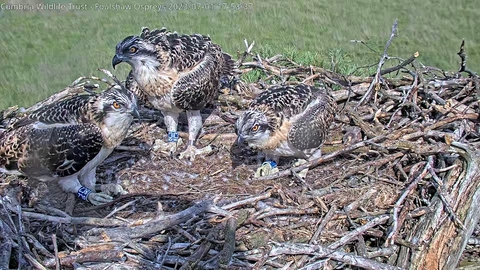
point(228, 65)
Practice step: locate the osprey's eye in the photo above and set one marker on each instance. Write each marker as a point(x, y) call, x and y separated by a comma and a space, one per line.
point(255, 128)
point(116, 105)
point(133, 49)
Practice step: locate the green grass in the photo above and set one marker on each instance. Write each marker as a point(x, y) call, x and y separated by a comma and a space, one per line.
point(41, 52)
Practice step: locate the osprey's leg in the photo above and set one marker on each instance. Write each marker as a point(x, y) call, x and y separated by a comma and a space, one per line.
point(173, 140)
point(268, 167)
point(303, 173)
point(72, 184)
point(194, 126)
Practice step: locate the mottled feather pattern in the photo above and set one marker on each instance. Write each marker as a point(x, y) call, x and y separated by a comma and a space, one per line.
point(292, 120)
point(189, 93)
point(133, 86)
point(311, 128)
point(60, 151)
point(190, 68)
point(72, 110)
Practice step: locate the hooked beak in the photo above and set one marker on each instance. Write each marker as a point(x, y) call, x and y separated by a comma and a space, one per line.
point(240, 140)
point(116, 60)
point(135, 113)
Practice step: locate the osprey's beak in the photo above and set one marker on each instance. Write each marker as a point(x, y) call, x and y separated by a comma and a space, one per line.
point(135, 113)
point(116, 60)
point(240, 140)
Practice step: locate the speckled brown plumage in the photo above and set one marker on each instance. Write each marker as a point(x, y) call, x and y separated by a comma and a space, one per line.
point(51, 152)
point(68, 139)
point(173, 73)
point(188, 67)
point(288, 120)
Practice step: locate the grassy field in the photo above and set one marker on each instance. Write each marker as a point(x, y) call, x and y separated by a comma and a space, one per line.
point(42, 51)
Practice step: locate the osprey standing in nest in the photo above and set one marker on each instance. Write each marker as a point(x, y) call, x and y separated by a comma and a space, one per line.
point(68, 139)
point(175, 73)
point(288, 121)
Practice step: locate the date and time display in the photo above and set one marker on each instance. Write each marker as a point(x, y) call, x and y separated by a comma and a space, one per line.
point(135, 6)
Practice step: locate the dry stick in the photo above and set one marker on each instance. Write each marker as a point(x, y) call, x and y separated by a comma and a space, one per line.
point(401, 65)
point(120, 208)
point(226, 254)
point(34, 262)
point(76, 220)
point(441, 193)
point(55, 249)
point(463, 64)
point(384, 57)
point(321, 251)
point(288, 211)
point(250, 200)
point(19, 236)
point(166, 253)
point(318, 232)
point(398, 205)
point(322, 159)
point(359, 231)
point(5, 245)
point(153, 227)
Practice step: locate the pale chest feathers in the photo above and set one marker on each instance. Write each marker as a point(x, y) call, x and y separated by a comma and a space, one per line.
point(114, 130)
point(157, 85)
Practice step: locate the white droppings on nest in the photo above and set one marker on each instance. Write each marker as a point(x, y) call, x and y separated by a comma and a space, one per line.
point(165, 187)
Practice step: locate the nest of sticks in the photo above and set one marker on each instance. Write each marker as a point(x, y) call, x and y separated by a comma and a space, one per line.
point(396, 188)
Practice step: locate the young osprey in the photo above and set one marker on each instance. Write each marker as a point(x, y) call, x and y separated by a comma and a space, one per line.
point(67, 140)
point(288, 121)
point(175, 73)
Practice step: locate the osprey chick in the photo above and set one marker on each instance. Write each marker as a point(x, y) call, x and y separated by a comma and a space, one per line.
point(66, 140)
point(287, 121)
point(175, 73)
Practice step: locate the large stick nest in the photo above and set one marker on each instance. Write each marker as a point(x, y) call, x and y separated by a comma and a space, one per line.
point(395, 152)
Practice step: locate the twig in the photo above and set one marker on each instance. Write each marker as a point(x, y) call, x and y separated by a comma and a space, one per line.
point(55, 249)
point(463, 63)
point(318, 232)
point(321, 160)
point(437, 183)
point(120, 209)
point(377, 77)
point(358, 231)
point(166, 252)
point(226, 254)
point(250, 200)
point(401, 65)
point(320, 251)
point(398, 205)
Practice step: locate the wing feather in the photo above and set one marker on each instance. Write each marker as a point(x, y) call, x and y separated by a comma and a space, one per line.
point(59, 151)
point(69, 111)
point(310, 129)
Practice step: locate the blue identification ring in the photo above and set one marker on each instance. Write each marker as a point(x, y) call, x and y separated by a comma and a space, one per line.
point(172, 136)
point(83, 193)
point(272, 163)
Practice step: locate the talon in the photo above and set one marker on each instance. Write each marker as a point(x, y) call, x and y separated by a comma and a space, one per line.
point(168, 148)
point(189, 153)
point(112, 189)
point(267, 168)
point(99, 198)
point(302, 173)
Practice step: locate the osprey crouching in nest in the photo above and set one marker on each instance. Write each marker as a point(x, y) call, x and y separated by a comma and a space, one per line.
point(287, 121)
point(66, 141)
point(175, 73)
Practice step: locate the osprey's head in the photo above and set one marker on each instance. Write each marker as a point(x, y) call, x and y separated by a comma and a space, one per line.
point(253, 129)
point(116, 105)
point(135, 51)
